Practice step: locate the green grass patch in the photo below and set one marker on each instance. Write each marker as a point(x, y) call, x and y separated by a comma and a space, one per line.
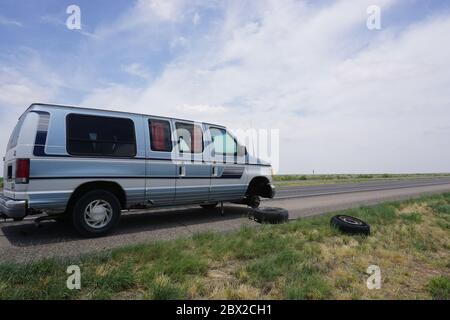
point(163, 289)
point(413, 217)
point(303, 259)
point(439, 288)
point(309, 287)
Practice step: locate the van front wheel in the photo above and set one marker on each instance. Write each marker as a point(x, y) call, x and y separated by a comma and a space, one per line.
point(96, 213)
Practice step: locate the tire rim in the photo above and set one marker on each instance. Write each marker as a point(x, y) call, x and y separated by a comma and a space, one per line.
point(98, 214)
point(255, 202)
point(350, 220)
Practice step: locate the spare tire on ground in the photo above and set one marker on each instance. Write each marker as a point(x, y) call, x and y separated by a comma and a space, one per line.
point(350, 225)
point(270, 215)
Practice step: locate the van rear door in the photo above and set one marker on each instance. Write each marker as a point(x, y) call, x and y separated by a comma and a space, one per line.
point(19, 146)
point(10, 156)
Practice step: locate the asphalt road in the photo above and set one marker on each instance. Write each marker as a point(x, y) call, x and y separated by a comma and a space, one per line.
point(24, 241)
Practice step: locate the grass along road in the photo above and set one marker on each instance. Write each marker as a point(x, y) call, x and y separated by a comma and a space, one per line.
point(319, 179)
point(303, 259)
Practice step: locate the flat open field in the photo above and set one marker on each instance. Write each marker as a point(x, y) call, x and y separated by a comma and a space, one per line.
point(303, 259)
point(318, 179)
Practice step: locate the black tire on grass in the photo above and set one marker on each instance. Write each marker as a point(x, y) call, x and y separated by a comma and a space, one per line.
point(350, 225)
point(270, 215)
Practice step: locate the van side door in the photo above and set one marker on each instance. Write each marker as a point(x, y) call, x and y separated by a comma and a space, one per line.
point(161, 170)
point(228, 181)
point(193, 172)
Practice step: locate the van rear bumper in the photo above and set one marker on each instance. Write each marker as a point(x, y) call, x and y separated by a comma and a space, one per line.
point(11, 208)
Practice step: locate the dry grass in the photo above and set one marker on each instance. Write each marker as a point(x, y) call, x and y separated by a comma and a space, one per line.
point(304, 259)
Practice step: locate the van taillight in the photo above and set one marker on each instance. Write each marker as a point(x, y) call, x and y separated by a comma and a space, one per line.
point(22, 170)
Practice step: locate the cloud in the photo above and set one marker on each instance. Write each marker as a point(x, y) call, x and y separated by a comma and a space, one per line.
point(199, 110)
point(196, 19)
point(112, 97)
point(24, 79)
point(178, 42)
point(345, 99)
point(4, 21)
point(149, 17)
point(17, 90)
point(165, 10)
point(137, 70)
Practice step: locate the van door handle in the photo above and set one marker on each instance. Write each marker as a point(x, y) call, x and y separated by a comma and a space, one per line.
point(215, 171)
point(182, 171)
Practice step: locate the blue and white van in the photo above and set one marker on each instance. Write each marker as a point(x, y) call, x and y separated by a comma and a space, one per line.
point(91, 164)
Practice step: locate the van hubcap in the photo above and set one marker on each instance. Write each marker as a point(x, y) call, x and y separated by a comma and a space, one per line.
point(98, 214)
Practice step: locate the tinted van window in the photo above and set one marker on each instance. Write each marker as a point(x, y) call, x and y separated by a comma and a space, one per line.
point(160, 135)
point(100, 136)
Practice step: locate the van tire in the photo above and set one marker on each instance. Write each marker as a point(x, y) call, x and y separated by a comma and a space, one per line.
point(270, 215)
point(105, 202)
point(209, 205)
point(350, 225)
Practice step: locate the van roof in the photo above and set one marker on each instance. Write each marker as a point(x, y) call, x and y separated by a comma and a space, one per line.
point(46, 105)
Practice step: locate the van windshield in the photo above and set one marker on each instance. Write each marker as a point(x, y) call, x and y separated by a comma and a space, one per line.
point(15, 134)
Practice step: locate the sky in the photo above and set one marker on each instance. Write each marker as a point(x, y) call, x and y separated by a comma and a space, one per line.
point(344, 98)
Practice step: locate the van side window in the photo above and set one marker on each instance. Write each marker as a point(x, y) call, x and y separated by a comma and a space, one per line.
point(160, 135)
point(224, 143)
point(100, 136)
point(190, 137)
